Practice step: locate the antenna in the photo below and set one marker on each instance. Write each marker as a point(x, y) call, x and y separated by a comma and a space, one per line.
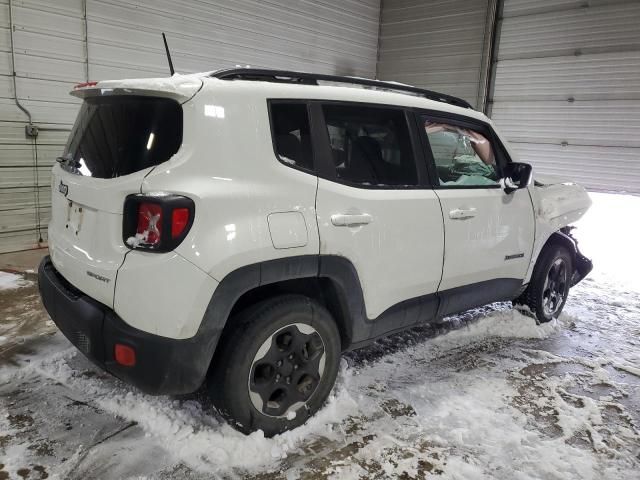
point(166, 47)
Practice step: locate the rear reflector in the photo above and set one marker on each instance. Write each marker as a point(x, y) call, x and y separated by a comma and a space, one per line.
point(125, 355)
point(179, 221)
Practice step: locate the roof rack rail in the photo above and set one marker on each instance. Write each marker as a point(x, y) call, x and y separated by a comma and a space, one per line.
point(303, 78)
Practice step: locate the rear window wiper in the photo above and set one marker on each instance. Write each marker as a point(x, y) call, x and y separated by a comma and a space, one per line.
point(67, 161)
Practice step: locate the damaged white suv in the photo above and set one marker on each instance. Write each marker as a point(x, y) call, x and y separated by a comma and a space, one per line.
point(242, 228)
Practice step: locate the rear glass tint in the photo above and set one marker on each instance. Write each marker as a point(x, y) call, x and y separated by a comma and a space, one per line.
point(119, 135)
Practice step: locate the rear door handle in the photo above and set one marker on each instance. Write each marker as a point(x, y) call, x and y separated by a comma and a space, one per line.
point(346, 220)
point(462, 213)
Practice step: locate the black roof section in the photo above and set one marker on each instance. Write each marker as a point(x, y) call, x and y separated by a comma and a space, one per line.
point(303, 78)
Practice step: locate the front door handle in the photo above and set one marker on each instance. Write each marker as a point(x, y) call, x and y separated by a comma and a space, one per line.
point(353, 220)
point(462, 213)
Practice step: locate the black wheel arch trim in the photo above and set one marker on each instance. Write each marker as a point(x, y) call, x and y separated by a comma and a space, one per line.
point(583, 265)
point(357, 327)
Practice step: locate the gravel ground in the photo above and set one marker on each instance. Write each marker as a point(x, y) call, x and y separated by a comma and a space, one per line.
point(487, 394)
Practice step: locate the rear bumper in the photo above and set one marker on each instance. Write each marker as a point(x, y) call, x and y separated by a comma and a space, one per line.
point(164, 366)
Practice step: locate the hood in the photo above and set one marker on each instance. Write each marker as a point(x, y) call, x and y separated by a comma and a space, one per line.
point(543, 180)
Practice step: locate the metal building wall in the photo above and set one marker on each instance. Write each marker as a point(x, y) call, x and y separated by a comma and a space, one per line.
point(55, 48)
point(436, 44)
point(567, 88)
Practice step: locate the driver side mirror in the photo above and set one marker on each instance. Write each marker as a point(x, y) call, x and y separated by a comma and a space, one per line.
point(517, 176)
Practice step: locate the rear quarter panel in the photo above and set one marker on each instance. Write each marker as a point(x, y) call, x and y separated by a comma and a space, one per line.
point(227, 156)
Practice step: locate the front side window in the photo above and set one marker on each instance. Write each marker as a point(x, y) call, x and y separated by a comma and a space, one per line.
point(291, 134)
point(462, 156)
point(370, 146)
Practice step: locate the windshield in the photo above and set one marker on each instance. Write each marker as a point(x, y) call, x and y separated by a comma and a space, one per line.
point(118, 135)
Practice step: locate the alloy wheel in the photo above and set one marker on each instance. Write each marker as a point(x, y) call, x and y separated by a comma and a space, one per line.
point(555, 287)
point(286, 370)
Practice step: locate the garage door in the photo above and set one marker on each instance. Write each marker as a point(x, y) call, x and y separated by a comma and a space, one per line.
point(435, 44)
point(55, 48)
point(567, 88)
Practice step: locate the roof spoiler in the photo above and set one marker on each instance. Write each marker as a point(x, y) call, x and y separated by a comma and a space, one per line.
point(178, 87)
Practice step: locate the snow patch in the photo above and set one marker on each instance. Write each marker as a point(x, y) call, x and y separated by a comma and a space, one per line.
point(189, 430)
point(10, 281)
point(138, 239)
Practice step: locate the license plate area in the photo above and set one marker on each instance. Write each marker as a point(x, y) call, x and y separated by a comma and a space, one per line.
point(74, 218)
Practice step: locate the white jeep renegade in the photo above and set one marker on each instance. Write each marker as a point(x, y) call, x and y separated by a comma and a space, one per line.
point(242, 228)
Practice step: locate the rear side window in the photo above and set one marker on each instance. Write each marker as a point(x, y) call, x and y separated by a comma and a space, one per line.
point(370, 145)
point(292, 134)
point(119, 135)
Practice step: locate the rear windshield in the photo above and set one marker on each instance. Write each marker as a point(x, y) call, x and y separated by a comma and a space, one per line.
point(119, 135)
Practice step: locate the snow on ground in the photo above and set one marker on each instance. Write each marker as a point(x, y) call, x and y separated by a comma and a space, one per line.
point(487, 395)
point(12, 280)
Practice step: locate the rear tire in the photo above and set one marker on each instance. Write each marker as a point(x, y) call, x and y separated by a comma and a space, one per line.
point(277, 365)
point(547, 292)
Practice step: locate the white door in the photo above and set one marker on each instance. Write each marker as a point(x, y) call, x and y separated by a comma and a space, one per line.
point(374, 213)
point(488, 233)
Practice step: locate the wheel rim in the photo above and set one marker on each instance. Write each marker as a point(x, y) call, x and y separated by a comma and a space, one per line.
point(555, 287)
point(286, 370)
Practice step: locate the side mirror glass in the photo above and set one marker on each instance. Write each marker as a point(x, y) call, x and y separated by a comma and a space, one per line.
point(517, 176)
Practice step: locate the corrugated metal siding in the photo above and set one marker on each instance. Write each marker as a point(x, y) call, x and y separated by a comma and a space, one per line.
point(330, 36)
point(567, 88)
point(597, 167)
point(435, 44)
point(48, 43)
point(123, 40)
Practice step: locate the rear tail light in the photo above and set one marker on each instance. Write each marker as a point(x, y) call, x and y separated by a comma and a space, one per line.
point(149, 228)
point(157, 223)
point(179, 221)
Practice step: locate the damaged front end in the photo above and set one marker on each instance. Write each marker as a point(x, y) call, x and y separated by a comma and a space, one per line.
point(559, 203)
point(583, 265)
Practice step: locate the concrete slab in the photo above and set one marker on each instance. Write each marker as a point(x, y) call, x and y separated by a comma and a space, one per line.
point(25, 261)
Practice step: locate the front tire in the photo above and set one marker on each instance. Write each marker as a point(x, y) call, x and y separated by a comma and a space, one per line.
point(277, 365)
point(548, 289)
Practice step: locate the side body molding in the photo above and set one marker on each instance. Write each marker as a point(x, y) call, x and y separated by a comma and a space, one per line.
point(360, 329)
point(347, 302)
point(344, 289)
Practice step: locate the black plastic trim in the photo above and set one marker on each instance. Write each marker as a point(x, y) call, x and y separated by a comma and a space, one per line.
point(163, 365)
point(179, 366)
point(360, 329)
point(583, 265)
point(459, 299)
point(305, 78)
